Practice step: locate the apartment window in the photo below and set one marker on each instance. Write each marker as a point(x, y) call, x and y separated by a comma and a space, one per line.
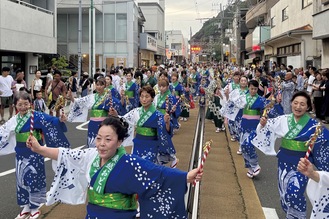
point(285, 14)
point(306, 3)
point(272, 22)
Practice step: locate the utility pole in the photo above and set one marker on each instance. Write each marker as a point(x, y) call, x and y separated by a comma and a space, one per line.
point(222, 32)
point(238, 33)
point(79, 41)
point(92, 40)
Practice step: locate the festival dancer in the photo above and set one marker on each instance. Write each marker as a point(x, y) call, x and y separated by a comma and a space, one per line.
point(110, 88)
point(30, 166)
point(153, 129)
point(185, 114)
point(99, 103)
point(253, 107)
point(131, 91)
point(294, 129)
point(112, 178)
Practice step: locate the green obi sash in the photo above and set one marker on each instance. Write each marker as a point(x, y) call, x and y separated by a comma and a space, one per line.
point(163, 111)
point(146, 131)
point(177, 93)
point(129, 93)
point(22, 137)
point(98, 113)
point(113, 200)
point(251, 112)
point(294, 145)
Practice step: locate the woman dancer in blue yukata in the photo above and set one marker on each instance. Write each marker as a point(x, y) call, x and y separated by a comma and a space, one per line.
point(294, 129)
point(112, 178)
point(30, 166)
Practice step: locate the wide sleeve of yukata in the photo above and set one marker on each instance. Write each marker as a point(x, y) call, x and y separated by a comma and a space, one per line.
point(235, 103)
point(79, 110)
point(160, 189)
point(52, 128)
point(71, 176)
point(318, 193)
point(266, 136)
point(131, 118)
point(8, 137)
point(320, 153)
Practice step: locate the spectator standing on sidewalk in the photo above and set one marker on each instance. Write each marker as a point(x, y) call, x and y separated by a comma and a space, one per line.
point(317, 95)
point(325, 87)
point(6, 93)
point(287, 88)
point(36, 84)
point(57, 88)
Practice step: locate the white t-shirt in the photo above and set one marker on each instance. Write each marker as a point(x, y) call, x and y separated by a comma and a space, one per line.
point(310, 82)
point(5, 86)
point(37, 84)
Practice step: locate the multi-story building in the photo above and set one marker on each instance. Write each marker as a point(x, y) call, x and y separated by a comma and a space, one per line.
point(176, 46)
point(115, 30)
point(291, 40)
point(321, 29)
point(258, 20)
point(27, 30)
point(154, 13)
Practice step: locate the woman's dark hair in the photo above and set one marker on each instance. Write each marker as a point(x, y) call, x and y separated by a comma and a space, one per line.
point(163, 82)
point(101, 80)
point(254, 83)
point(303, 94)
point(22, 96)
point(118, 124)
point(147, 89)
point(307, 74)
point(109, 76)
point(183, 73)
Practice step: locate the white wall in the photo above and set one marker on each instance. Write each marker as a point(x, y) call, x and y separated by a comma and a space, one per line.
point(297, 17)
point(26, 29)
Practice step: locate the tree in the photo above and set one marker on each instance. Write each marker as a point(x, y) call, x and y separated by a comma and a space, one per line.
point(60, 63)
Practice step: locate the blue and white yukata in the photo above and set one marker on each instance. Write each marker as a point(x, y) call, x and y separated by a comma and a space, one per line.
point(232, 125)
point(152, 141)
point(292, 184)
point(131, 91)
point(250, 118)
point(99, 105)
point(161, 104)
point(30, 166)
point(160, 189)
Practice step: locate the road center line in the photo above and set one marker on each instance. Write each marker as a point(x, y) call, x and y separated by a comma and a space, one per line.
point(46, 159)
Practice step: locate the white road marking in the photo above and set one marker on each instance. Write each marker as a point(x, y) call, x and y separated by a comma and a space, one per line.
point(270, 213)
point(14, 170)
point(80, 127)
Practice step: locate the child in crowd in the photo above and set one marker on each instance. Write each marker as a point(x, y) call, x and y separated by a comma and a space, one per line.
point(39, 103)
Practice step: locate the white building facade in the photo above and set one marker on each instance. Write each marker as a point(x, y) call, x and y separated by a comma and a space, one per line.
point(27, 30)
point(176, 46)
point(115, 31)
point(154, 13)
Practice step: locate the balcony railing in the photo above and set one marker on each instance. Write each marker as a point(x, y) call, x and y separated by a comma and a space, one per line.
point(32, 6)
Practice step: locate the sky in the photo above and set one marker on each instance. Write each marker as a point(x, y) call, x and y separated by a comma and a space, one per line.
point(183, 14)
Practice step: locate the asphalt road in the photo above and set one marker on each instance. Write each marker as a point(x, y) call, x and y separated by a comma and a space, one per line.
point(8, 204)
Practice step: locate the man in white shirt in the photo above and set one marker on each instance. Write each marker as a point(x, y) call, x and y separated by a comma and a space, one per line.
point(6, 93)
point(310, 81)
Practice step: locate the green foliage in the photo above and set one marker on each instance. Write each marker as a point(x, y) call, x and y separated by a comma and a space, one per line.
point(60, 63)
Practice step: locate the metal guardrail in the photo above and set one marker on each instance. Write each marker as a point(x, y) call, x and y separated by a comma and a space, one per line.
point(192, 195)
point(32, 6)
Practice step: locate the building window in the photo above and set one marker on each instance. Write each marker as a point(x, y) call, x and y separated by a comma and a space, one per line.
point(306, 3)
point(121, 30)
point(285, 14)
point(325, 2)
point(272, 22)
